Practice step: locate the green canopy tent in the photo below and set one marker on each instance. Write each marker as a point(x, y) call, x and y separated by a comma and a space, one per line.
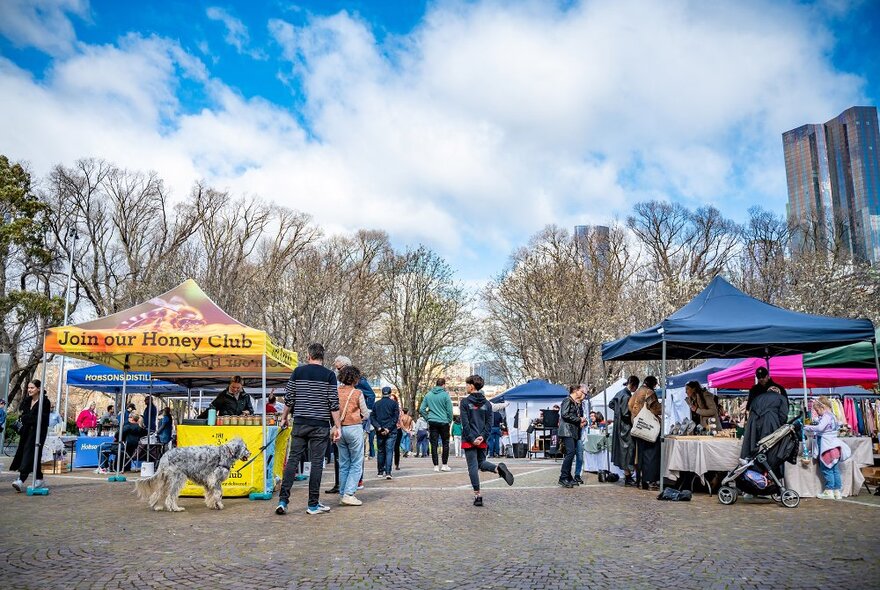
point(859, 355)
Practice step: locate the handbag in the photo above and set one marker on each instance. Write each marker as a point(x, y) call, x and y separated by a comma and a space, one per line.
point(646, 426)
point(17, 426)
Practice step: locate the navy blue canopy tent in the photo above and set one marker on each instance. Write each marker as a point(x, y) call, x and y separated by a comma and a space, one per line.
point(107, 380)
point(724, 322)
point(533, 391)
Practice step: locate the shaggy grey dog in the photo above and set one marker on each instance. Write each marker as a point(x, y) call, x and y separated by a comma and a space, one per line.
point(208, 466)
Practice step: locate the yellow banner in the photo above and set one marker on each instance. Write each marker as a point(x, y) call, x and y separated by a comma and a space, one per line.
point(250, 479)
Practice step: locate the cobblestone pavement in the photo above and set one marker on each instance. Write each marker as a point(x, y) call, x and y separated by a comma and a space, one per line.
point(420, 531)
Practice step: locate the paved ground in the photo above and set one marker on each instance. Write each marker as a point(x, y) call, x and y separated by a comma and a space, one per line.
point(420, 531)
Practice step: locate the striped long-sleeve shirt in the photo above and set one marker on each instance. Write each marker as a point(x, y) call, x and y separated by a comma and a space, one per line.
point(311, 394)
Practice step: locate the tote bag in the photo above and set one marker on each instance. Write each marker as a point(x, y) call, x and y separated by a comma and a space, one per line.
point(646, 426)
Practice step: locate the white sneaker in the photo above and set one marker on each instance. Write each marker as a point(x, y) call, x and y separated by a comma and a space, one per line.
point(18, 484)
point(38, 483)
point(446, 468)
point(350, 501)
point(837, 495)
point(436, 468)
point(826, 495)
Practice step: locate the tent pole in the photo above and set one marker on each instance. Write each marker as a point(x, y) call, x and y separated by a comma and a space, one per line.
point(804, 370)
point(605, 402)
point(266, 487)
point(38, 448)
point(662, 409)
point(120, 448)
point(876, 362)
point(66, 401)
point(199, 409)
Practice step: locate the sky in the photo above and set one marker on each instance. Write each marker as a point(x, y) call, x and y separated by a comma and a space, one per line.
point(466, 126)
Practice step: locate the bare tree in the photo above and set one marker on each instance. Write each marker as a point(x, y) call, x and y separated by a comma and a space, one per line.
point(549, 313)
point(129, 232)
point(426, 321)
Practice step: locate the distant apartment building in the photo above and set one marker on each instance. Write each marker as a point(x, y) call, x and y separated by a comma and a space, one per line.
point(833, 176)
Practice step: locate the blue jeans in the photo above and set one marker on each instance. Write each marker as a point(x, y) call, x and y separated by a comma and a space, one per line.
point(385, 462)
point(406, 442)
point(351, 458)
point(422, 443)
point(495, 441)
point(579, 459)
point(831, 475)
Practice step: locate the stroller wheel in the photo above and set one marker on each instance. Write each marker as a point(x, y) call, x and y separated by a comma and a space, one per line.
point(727, 495)
point(790, 499)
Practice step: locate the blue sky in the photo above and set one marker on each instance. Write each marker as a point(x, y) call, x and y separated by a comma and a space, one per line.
point(466, 126)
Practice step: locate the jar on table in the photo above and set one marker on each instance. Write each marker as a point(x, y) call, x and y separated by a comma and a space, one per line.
point(219, 421)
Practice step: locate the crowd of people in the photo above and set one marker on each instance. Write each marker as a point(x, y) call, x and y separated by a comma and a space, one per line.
point(326, 408)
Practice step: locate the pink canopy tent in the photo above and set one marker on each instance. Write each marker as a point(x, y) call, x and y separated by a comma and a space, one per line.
point(788, 371)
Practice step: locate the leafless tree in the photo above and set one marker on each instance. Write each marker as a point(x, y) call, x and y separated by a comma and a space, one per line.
point(426, 321)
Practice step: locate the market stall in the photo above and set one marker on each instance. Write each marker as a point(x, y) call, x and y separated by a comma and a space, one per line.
point(179, 334)
point(723, 322)
point(109, 382)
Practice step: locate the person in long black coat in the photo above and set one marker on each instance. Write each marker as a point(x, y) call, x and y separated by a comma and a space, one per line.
point(769, 411)
point(23, 462)
point(623, 448)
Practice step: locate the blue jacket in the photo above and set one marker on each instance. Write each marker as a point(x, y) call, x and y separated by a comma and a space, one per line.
point(386, 413)
point(164, 431)
point(369, 394)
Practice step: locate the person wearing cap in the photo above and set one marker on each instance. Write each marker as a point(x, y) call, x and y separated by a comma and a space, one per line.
point(386, 414)
point(764, 383)
point(768, 410)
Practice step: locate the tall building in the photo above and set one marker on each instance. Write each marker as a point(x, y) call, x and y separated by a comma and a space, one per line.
point(833, 174)
point(597, 236)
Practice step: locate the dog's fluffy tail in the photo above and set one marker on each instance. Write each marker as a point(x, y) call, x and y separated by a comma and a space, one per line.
point(146, 487)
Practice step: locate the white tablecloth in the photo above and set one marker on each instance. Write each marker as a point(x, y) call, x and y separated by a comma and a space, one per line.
point(594, 462)
point(700, 454)
point(807, 481)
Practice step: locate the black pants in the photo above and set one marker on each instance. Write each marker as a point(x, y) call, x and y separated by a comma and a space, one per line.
point(332, 449)
point(316, 438)
point(437, 430)
point(648, 460)
point(570, 451)
point(397, 442)
point(476, 462)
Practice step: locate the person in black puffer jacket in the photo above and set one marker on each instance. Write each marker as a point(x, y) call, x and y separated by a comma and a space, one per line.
point(571, 420)
point(476, 425)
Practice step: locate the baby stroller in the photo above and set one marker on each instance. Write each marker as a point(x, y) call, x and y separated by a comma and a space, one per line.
point(754, 475)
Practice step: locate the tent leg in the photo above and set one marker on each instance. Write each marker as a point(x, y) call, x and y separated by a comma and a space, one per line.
point(118, 476)
point(66, 401)
point(268, 477)
point(804, 370)
point(605, 402)
point(38, 448)
point(876, 362)
point(662, 411)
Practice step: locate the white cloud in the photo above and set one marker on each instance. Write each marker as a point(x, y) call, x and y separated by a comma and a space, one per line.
point(488, 121)
point(236, 32)
point(43, 24)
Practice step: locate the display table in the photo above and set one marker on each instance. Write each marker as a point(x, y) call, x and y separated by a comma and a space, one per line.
point(596, 447)
point(253, 477)
point(701, 454)
point(87, 448)
point(808, 482)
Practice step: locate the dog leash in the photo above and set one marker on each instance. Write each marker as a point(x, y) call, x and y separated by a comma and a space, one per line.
point(262, 449)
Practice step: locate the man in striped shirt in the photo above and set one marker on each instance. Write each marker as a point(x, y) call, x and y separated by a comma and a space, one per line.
point(311, 396)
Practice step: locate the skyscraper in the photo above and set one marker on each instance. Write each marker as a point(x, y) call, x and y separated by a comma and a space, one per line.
point(833, 174)
point(596, 238)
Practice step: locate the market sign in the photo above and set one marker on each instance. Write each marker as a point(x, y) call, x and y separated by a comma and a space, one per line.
point(180, 331)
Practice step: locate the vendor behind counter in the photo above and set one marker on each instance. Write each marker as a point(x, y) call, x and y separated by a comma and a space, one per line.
point(232, 401)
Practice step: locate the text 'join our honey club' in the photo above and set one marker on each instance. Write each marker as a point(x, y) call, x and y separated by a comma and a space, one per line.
point(155, 339)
